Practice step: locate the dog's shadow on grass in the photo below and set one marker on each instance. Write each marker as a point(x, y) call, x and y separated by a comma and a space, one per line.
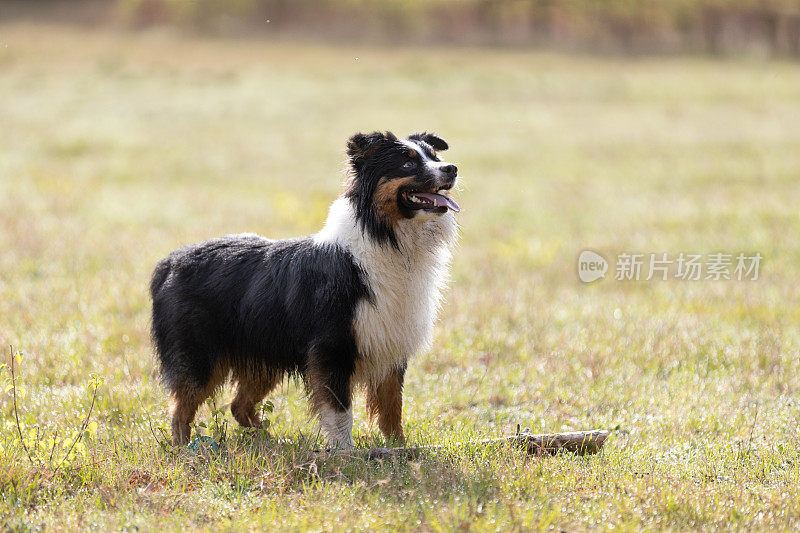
point(297, 461)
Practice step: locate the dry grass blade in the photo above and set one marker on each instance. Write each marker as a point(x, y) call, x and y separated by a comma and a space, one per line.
point(16, 409)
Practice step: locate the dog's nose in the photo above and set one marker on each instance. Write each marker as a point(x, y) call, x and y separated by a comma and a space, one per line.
point(449, 170)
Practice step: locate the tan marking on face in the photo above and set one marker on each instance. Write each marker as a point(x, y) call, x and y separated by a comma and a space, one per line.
point(412, 153)
point(386, 198)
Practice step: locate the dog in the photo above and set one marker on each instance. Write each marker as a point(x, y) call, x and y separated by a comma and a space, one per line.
point(342, 308)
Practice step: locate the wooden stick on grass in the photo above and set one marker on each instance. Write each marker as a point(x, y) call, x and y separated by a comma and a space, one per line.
point(578, 442)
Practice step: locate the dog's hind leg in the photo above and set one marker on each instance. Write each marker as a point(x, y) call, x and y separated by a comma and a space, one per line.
point(186, 398)
point(385, 401)
point(252, 387)
point(183, 408)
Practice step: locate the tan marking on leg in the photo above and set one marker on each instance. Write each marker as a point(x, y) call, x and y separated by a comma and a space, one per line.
point(252, 387)
point(184, 403)
point(316, 382)
point(385, 401)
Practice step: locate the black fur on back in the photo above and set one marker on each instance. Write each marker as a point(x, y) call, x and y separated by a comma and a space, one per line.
point(242, 301)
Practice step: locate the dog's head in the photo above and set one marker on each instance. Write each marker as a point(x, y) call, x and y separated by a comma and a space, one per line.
point(398, 179)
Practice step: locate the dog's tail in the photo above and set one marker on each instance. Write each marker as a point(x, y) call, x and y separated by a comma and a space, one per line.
point(159, 276)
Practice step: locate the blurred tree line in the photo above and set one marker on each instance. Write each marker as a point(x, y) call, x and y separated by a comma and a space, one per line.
point(628, 26)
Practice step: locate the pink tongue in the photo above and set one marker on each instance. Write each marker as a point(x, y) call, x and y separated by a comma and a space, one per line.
point(439, 200)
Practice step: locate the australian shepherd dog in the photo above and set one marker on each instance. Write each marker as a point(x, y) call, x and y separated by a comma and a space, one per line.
point(343, 308)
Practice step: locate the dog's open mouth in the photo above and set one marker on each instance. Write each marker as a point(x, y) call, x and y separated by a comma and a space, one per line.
point(437, 202)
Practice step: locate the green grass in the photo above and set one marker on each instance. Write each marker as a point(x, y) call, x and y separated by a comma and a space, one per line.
point(115, 149)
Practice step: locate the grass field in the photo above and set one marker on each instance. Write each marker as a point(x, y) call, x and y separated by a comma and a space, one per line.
point(115, 149)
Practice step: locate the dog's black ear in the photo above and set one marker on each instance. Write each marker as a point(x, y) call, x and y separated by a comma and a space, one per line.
point(436, 142)
point(361, 145)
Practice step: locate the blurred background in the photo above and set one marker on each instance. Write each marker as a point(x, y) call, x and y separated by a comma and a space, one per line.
point(624, 26)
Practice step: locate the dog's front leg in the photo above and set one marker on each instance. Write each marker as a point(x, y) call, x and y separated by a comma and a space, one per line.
point(331, 397)
point(385, 401)
point(338, 427)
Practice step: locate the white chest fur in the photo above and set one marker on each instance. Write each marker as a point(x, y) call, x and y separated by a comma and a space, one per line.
point(405, 285)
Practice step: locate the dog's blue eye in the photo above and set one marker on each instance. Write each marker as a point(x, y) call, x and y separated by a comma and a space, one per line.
point(409, 164)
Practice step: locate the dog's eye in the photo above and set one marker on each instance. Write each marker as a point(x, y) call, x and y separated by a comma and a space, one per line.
point(409, 165)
